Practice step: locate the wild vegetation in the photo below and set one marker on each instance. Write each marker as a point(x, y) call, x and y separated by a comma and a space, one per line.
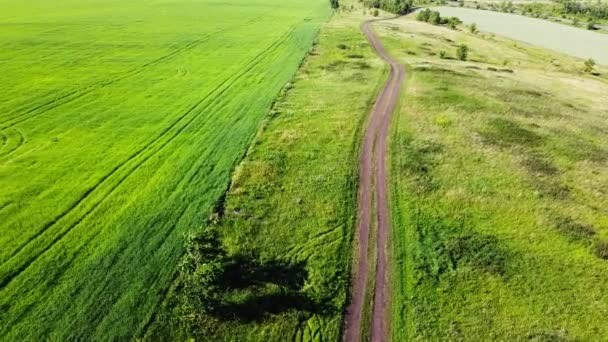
point(273, 262)
point(393, 6)
point(543, 33)
point(434, 17)
point(157, 187)
point(499, 170)
point(120, 125)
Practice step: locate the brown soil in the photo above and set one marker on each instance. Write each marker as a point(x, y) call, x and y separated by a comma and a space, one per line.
point(373, 176)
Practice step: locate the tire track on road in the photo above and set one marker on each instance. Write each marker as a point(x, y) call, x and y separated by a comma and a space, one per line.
point(373, 175)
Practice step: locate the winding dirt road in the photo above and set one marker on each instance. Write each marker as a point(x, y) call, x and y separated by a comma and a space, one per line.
point(373, 176)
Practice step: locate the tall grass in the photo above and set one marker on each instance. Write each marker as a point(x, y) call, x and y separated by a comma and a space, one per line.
point(498, 191)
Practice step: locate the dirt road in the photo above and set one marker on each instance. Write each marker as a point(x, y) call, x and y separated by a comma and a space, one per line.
point(373, 177)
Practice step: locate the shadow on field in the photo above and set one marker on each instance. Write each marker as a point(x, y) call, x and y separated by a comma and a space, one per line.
point(254, 290)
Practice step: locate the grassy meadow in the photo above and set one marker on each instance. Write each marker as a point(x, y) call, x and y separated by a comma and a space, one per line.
point(499, 168)
point(291, 205)
point(557, 37)
point(120, 125)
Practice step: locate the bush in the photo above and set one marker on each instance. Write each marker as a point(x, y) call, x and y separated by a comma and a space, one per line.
point(335, 4)
point(376, 13)
point(478, 250)
point(201, 268)
point(573, 229)
point(453, 22)
point(462, 52)
point(473, 28)
point(442, 54)
point(424, 15)
point(590, 25)
point(600, 248)
point(589, 65)
point(393, 6)
point(435, 18)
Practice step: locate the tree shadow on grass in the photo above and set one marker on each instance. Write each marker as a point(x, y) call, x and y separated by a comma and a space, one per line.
point(253, 290)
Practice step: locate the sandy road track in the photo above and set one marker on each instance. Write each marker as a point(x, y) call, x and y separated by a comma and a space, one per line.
point(373, 177)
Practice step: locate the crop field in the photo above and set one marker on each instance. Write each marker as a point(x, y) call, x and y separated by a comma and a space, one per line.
point(499, 173)
point(120, 125)
point(565, 39)
point(291, 205)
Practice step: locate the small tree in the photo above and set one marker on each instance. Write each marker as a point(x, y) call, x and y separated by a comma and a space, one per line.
point(402, 6)
point(424, 15)
point(453, 22)
point(473, 28)
point(435, 18)
point(589, 65)
point(462, 52)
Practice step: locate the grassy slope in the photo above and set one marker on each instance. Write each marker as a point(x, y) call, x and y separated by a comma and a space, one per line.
point(292, 199)
point(120, 125)
point(499, 191)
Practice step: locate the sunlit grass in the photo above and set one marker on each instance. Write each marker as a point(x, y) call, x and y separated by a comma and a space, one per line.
point(498, 191)
point(120, 124)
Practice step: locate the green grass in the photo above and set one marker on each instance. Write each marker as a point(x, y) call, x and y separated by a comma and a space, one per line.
point(292, 199)
point(499, 191)
point(120, 124)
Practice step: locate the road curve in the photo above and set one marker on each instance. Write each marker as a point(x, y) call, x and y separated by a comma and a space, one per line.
point(373, 177)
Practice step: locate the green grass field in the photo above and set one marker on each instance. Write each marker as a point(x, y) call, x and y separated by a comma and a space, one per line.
point(120, 124)
point(292, 200)
point(125, 125)
point(499, 173)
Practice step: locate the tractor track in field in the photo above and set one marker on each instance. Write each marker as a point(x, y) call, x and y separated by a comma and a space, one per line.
point(79, 93)
point(6, 149)
point(373, 200)
point(146, 152)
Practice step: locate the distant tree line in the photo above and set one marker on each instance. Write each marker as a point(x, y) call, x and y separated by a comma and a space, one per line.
point(593, 10)
point(435, 18)
point(393, 6)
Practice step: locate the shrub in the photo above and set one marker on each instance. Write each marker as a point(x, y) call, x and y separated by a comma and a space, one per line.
point(573, 229)
point(376, 12)
point(201, 268)
point(473, 28)
point(589, 65)
point(442, 54)
point(590, 25)
point(435, 18)
point(478, 250)
point(424, 15)
point(453, 22)
point(462, 52)
point(335, 4)
point(393, 6)
point(600, 248)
